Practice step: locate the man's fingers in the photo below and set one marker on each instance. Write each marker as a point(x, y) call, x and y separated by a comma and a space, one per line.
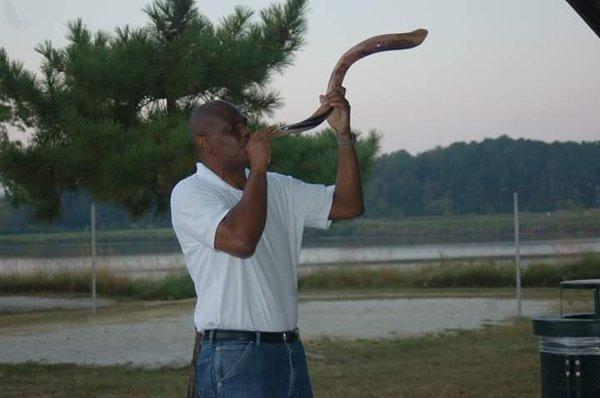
point(335, 95)
point(335, 98)
point(275, 133)
point(338, 104)
point(265, 133)
point(263, 130)
point(271, 132)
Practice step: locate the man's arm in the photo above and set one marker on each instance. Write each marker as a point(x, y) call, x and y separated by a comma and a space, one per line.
point(347, 196)
point(241, 229)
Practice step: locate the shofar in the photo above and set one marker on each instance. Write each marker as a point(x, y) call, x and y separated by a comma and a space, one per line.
point(395, 41)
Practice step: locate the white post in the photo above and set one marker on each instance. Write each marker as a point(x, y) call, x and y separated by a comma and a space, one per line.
point(93, 216)
point(517, 252)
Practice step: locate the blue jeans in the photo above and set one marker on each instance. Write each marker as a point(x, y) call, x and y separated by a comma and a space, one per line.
point(235, 369)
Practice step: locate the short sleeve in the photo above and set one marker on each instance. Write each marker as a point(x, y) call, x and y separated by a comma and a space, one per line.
point(196, 213)
point(315, 202)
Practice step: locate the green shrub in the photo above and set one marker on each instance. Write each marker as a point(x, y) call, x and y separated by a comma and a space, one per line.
point(75, 282)
point(180, 286)
point(551, 275)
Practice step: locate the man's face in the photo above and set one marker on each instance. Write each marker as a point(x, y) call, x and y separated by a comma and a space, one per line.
point(229, 144)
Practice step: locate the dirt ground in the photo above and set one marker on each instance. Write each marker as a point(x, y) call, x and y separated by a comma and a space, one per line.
point(161, 334)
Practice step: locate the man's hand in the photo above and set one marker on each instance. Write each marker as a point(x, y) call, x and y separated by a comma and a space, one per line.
point(339, 120)
point(258, 148)
point(239, 232)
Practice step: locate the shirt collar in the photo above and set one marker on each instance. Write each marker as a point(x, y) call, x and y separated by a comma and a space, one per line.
point(207, 173)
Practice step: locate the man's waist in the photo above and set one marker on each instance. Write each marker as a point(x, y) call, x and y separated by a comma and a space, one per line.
point(288, 336)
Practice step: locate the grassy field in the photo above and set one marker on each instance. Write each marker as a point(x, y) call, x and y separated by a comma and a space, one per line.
point(500, 361)
point(561, 224)
point(447, 275)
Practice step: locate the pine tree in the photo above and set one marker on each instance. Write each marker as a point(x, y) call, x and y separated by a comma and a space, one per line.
point(109, 111)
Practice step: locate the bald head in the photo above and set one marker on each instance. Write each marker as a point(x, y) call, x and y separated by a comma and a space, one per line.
point(219, 133)
point(212, 117)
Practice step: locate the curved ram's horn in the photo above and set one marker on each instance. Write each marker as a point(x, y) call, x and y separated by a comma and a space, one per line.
point(396, 41)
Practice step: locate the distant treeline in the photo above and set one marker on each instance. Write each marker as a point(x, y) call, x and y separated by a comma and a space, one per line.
point(464, 178)
point(76, 216)
point(481, 177)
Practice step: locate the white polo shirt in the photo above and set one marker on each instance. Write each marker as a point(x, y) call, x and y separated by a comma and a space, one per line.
point(260, 292)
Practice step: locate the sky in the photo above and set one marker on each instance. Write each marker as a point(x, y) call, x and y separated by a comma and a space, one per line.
point(527, 69)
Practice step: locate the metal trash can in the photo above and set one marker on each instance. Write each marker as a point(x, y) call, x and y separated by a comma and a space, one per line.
point(570, 348)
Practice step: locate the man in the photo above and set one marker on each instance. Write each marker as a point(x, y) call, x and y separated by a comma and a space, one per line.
point(241, 230)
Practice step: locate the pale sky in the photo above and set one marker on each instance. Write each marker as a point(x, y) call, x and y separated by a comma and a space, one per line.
point(525, 68)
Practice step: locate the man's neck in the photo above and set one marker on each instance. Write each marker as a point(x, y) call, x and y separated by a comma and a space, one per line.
point(235, 177)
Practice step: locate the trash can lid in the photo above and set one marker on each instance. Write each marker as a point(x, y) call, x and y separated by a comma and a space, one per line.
point(581, 284)
point(568, 325)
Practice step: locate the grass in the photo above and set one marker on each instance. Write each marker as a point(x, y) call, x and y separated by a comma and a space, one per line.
point(560, 224)
point(450, 275)
point(494, 362)
point(499, 361)
point(83, 237)
point(172, 287)
point(32, 380)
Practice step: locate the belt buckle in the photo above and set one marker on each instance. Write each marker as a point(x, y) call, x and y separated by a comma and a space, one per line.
point(285, 337)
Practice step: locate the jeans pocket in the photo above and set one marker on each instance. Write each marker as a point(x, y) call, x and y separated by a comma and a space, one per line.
point(231, 358)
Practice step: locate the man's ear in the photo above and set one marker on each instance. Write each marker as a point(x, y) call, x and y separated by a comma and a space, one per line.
point(202, 143)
